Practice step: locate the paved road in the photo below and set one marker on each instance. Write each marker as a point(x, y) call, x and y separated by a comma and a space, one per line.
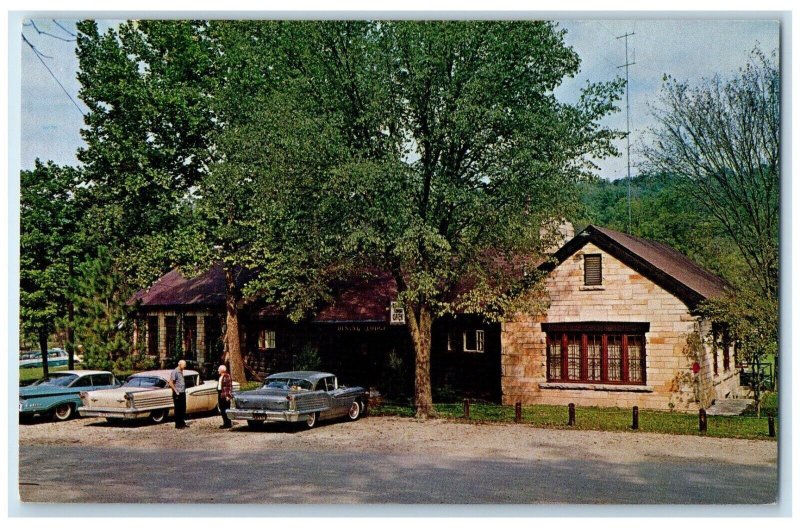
point(63, 473)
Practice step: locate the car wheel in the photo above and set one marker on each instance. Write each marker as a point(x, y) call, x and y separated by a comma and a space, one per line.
point(311, 421)
point(63, 412)
point(158, 416)
point(355, 410)
point(255, 425)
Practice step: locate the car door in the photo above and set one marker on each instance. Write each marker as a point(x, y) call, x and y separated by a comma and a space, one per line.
point(197, 394)
point(340, 402)
point(323, 391)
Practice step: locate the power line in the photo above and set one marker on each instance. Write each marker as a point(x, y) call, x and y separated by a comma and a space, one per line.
point(39, 31)
point(65, 29)
point(628, 118)
point(39, 56)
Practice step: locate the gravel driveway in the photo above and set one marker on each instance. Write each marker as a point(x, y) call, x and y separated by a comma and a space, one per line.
point(401, 435)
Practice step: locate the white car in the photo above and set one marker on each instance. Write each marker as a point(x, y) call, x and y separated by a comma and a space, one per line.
point(147, 395)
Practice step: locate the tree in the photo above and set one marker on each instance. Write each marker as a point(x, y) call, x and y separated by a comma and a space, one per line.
point(47, 234)
point(721, 139)
point(461, 154)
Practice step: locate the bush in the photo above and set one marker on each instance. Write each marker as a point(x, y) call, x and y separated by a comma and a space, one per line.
point(134, 363)
point(307, 359)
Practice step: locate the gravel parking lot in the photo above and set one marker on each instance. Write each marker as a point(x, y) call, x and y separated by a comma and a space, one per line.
point(403, 435)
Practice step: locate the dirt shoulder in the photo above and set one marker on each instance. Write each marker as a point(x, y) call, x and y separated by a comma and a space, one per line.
point(404, 435)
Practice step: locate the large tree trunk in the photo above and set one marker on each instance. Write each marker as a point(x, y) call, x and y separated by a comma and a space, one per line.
point(232, 342)
point(43, 348)
point(419, 325)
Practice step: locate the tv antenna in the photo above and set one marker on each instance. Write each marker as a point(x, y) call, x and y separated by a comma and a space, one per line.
point(628, 118)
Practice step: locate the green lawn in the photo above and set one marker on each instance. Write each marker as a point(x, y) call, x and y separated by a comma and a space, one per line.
point(29, 375)
point(597, 419)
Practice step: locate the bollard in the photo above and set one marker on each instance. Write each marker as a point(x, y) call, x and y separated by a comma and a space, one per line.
point(703, 421)
point(771, 421)
point(635, 424)
point(571, 414)
point(466, 408)
point(518, 412)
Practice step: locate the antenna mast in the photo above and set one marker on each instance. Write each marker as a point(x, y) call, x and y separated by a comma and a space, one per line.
point(628, 117)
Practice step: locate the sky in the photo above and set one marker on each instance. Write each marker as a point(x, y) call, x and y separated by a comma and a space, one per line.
point(688, 49)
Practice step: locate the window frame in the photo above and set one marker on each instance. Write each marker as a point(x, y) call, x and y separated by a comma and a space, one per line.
point(264, 340)
point(558, 336)
point(480, 342)
point(599, 257)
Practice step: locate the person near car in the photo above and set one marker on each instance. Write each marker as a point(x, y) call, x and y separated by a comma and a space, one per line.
point(178, 386)
point(224, 395)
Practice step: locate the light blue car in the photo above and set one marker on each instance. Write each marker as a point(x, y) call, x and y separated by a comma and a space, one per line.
point(58, 395)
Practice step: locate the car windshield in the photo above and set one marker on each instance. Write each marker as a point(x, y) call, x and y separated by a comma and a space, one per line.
point(287, 384)
point(60, 380)
point(145, 381)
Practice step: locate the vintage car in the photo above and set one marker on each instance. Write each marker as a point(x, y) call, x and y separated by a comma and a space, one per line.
point(58, 394)
point(147, 395)
point(298, 397)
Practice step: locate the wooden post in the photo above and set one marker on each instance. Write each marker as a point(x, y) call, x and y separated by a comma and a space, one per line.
point(635, 424)
point(518, 412)
point(703, 421)
point(771, 421)
point(571, 414)
point(466, 408)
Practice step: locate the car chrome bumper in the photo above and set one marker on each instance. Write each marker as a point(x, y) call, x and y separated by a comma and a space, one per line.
point(122, 414)
point(265, 416)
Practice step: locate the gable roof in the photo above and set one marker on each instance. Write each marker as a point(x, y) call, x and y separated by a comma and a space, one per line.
point(665, 266)
point(173, 289)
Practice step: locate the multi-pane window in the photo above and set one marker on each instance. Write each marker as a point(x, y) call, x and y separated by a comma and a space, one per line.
point(473, 340)
point(266, 339)
point(594, 348)
point(596, 357)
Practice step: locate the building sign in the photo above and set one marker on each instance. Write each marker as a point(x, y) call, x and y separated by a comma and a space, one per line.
point(397, 314)
point(361, 328)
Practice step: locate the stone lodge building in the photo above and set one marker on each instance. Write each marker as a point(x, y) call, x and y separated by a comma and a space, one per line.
point(621, 329)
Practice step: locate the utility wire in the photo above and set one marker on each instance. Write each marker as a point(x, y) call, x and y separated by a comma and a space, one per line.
point(65, 29)
point(39, 56)
point(39, 31)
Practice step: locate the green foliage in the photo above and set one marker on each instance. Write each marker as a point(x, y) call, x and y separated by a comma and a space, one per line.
point(721, 138)
point(134, 363)
point(307, 359)
point(100, 312)
point(47, 235)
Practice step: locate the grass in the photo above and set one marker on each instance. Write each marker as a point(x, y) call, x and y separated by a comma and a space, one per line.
point(29, 375)
point(596, 419)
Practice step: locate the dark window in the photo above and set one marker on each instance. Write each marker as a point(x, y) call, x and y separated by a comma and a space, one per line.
point(85, 381)
point(152, 336)
point(602, 357)
point(714, 354)
point(190, 337)
point(593, 270)
point(726, 350)
point(100, 380)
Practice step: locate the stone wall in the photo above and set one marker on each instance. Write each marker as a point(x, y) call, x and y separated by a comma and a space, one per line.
point(625, 296)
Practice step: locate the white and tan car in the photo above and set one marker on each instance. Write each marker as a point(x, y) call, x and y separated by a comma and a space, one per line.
point(147, 395)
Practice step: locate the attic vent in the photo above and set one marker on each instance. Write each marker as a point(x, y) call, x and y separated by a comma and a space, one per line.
point(592, 270)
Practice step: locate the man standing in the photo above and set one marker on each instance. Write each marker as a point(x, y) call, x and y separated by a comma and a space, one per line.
point(178, 386)
point(224, 395)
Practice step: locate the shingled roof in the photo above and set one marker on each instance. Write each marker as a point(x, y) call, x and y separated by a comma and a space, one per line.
point(662, 264)
point(173, 289)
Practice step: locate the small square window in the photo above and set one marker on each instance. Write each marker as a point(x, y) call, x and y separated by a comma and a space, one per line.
point(266, 339)
point(473, 341)
point(593, 270)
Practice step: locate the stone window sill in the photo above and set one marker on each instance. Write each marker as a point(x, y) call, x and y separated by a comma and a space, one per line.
point(596, 386)
point(591, 288)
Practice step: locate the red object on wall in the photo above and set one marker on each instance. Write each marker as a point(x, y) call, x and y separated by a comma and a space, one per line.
point(695, 367)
